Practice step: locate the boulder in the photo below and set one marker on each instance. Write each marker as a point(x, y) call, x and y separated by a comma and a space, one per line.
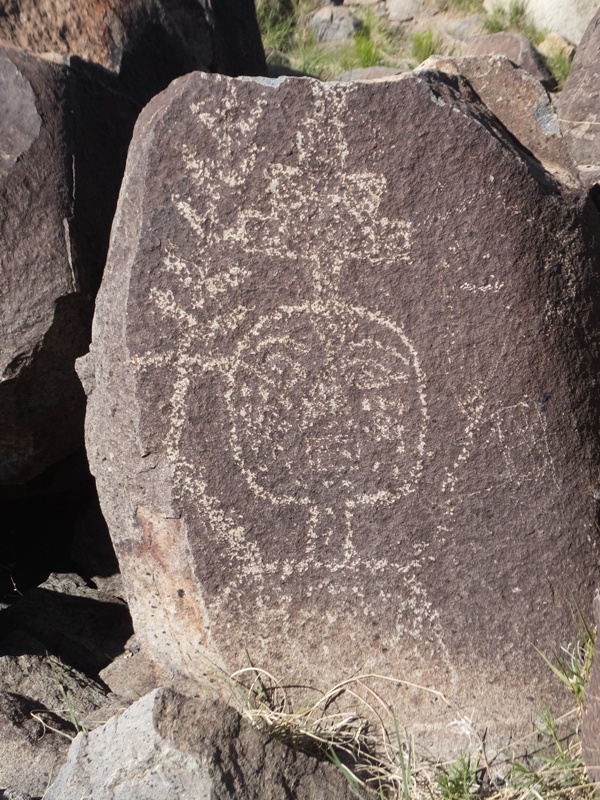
point(34, 745)
point(334, 24)
point(131, 675)
point(579, 106)
point(403, 10)
point(514, 46)
point(10, 794)
point(66, 131)
point(460, 29)
point(26, 668)
point(553, 45)
point(169, 745)
point(520, 103)
point(342, 395)
point(372, 73)
point(567, 19)
point(148, 42)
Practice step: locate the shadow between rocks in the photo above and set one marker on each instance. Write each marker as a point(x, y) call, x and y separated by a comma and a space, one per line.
point(83, 632)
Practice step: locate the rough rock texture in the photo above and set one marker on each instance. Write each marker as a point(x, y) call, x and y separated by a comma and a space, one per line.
point(521, 104)
point(66, 132)
point(32, 754)
point(131, 675)
point(169, 745)
point(148, 42)
point(26, 668)
point(342, 393)
point(569, 19)
point(579, 106)
point(9, 794)
point(514, 46)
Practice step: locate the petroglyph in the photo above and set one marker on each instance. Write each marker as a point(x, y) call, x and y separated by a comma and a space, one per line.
point(347, 379)
point(311, 396)
point(325, 402)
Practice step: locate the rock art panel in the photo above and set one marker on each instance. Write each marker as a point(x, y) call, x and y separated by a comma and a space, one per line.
point(341, 407)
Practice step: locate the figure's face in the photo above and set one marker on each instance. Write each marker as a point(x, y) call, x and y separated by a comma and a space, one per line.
point(324, 399)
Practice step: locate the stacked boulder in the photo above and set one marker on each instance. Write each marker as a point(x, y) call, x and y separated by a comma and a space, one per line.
point(342, 397)
point(67, 127)
point(73, 78)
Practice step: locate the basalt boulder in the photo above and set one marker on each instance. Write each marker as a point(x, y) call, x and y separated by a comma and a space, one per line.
point(343, 398)
point(147, 42)
point(170, 745)
point(65, 129)
point(520, 103)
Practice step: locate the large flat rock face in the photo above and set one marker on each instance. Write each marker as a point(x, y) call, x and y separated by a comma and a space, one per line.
point(342, 393)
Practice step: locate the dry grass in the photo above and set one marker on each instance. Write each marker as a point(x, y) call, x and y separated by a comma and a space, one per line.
point(378, 758)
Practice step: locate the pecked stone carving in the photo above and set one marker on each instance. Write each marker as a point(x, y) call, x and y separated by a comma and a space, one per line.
point(340, 406)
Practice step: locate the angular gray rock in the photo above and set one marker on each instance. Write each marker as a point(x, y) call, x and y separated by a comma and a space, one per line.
point(170, 746)
point(32, 753)
point(131, 675)
point(334, 24)
point(66, 132)
point(579, 106)
point(568, 19)
point(9, 794)
point(403, 10)
point(514, 46)
point(521, 104)
point(343, 406)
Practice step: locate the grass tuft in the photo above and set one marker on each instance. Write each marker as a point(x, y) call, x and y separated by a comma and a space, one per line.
point(462, 6)
point(425, 44)
point(514, 18)
point(459, 779)
point(559, 66)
